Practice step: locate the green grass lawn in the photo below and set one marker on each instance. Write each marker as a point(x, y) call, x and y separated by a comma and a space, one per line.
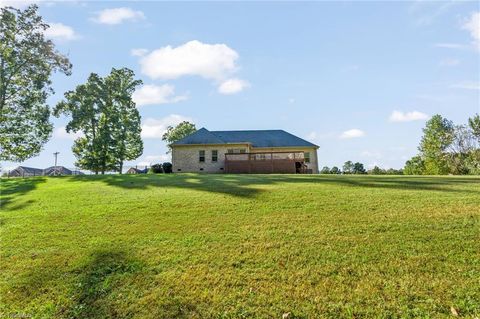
point(240, 246)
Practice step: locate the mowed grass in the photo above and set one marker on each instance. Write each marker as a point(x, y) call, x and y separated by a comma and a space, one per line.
point(240, 246)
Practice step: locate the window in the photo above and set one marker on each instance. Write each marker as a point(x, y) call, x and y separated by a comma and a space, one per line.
point(242, 151)
point(201, 156)
point(230, 151)
point(307, 157)
point(214, 155)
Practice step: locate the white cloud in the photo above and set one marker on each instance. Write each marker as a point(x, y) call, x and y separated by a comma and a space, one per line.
point(398, 116)
point(138, 52)
point(450, 45)
point(60, 31)
point(155, 128)
point(61, 133)
point(232, 86)
point(19, 4)
point(118, 15)
point(467, 85)
point(210, 61)
point(449, 62)
point(472, 25)
point(353, 133)
point(156, 94)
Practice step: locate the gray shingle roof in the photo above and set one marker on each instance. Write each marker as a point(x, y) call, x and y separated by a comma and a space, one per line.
point(258, 138)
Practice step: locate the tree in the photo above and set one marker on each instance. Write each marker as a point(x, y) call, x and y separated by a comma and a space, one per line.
point(103, 110)
point(335, 170)
point(358, 168)
point(178, 132)
point(27, 61)
point(325, 170)
point(125, 117)
point(377, 171)
point(474, 124)
point(460, 150)
point(438, 135)
point(348, 167)
point(414, 166)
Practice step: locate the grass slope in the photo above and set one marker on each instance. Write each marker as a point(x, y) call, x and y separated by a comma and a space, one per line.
point(233, 246)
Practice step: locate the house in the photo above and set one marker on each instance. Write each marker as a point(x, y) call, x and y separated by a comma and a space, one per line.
point(256, 151)
point(57, 170)
point(134, 170)
point(23, 171)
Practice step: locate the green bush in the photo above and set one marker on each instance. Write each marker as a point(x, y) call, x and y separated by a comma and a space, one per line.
point(167, 167)
point(156, 169)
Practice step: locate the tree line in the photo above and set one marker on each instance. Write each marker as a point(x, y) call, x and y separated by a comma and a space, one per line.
point(358, 168)
point(102, 109)
point(446, 148)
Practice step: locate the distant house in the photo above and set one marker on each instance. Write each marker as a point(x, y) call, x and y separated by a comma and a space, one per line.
point(57, 170)
point(24, 171)
point(134, 170)
point(257, 151)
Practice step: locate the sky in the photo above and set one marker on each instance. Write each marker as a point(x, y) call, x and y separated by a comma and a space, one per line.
point(359, 79)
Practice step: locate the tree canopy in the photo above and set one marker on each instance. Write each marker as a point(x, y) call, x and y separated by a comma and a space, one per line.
point(175, 133)
point(446, 148)
point(27, 61)
point(103, 110)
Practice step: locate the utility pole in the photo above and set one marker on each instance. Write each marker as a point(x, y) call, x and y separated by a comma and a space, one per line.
point(55, 169)
point(56, 154)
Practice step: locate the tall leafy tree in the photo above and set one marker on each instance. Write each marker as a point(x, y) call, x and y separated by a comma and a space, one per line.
point(358, 168)
point(348, 167)
point(474, 124)
point(27, 61)
point(438, 135)
point(126, 118)
point(103, 110)
point(175, 133)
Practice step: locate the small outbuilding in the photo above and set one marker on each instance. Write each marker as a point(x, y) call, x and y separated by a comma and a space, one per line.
point(56, 171)
point(24, 171)
point(134, 170)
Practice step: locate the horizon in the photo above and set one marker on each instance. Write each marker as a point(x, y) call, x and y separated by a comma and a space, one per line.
point(357, 79)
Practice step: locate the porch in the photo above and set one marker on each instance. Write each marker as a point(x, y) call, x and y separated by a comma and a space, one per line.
point(266, 163)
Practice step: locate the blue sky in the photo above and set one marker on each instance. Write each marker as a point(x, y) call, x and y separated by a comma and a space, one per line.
point(359, 79)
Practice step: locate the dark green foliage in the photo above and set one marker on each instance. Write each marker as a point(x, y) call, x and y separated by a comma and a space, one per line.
point(358, 168)
point(156, 169)
point(167, 167)
point(377, 171)
point(103, 110)
point(325, 170)
point(335, 170)
point(27, 61)
point(348, 167)
point(178, 132)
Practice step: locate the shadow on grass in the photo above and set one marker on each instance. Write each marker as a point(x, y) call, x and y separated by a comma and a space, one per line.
point(244, 185)
point(97, 279)
point(12, 189)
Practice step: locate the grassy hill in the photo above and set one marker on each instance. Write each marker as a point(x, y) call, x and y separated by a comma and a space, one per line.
point(232, 246)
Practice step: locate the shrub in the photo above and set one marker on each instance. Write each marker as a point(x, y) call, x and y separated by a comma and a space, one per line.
point(167, 167)
point(156, 169)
